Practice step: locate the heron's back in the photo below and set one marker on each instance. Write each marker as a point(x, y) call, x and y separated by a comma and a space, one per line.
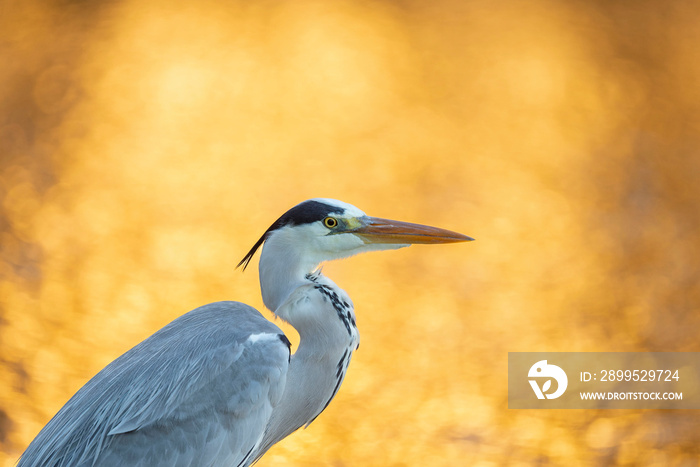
point(197, 392)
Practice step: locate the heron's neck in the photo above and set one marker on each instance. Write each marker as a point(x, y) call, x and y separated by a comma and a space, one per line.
point(323, 316)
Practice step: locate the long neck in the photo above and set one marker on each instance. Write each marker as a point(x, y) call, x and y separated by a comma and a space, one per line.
point(323, 316)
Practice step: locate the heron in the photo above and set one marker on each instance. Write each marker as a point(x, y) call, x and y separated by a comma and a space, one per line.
point(219, 385)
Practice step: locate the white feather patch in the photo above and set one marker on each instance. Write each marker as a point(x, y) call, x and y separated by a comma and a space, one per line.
point(262, 336)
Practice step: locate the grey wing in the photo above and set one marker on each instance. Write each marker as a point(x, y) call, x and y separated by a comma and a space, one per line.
point(197, 392)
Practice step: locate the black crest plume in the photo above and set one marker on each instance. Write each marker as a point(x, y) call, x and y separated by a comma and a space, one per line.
point(307, 212)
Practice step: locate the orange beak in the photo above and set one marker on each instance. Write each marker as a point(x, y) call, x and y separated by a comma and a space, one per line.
point(376, 230)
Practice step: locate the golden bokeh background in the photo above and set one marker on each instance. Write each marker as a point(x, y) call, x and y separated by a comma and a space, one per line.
point(145, 146)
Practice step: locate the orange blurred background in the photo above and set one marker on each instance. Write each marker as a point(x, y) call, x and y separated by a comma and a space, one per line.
point(145, 146)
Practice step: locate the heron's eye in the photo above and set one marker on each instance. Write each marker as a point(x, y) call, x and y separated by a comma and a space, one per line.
point(330, 222)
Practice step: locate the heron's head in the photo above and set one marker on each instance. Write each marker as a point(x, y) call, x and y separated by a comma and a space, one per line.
point(322, 229)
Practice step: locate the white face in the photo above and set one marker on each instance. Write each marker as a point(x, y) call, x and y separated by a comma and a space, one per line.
point(327, 239)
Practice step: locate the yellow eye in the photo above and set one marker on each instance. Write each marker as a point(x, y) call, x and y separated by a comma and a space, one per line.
point(330, 222)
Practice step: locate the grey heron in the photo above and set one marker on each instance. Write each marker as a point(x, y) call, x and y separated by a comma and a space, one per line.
point(219, 386)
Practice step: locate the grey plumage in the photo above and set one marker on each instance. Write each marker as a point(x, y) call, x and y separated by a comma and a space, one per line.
point(178, 398)
point(218, 386)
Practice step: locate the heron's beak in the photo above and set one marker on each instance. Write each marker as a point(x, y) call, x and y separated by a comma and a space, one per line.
point(376, 230)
